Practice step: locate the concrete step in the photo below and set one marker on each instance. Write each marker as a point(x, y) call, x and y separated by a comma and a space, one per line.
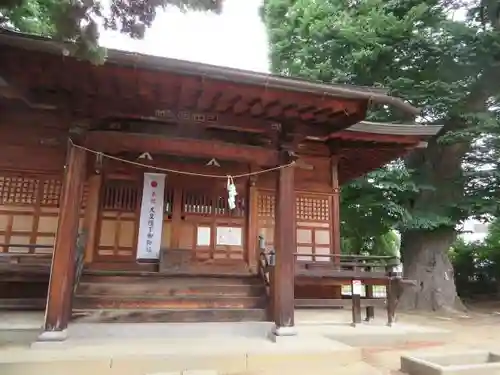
point(231, 355)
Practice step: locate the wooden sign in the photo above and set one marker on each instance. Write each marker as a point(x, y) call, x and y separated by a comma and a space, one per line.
point(229, 236)
point(356, 287)
point(186, 116)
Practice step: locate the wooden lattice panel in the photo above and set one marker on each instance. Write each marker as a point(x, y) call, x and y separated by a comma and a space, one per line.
point(120, 195)
point(85, 195)
point(28, 212)
point(119, 219)
point(266, 205)
point(18, 190)
point(51, 192)
point(211, 204)
point(204, 213)
point(309, 208)
point(196, 203)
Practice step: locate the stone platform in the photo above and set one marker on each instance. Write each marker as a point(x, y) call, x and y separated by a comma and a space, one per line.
point(326, 347)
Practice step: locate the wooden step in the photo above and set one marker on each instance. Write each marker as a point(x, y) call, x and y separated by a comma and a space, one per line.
point(166, 290)
point(188, 302)
point(171, 315)
point(22, 304)
point(156, 279)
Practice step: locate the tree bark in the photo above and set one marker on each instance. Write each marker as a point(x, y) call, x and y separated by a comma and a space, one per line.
point(426, 261)
point(425, 251)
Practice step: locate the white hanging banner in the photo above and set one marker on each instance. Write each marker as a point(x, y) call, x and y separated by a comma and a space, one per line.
point(151, 219)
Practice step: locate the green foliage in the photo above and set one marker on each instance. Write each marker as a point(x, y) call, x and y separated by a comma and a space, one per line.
point(477, 264)
point(31, 16)
point(450, 68)
point(386, 244)
point(77, 21)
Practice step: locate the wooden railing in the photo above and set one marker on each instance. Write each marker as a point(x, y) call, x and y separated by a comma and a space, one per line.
point(12, 261)
point(343, 263)
point(340, 269)
point(265, 261)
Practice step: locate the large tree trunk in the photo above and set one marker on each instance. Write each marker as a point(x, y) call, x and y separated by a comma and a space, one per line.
point(425, 259)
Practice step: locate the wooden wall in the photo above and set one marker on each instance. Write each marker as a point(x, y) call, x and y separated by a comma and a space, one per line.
point(34, 141)
point(191, 204)
point(32, 154)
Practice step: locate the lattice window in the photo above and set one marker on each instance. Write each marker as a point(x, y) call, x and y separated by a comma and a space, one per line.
point(313, 208)
point(200, 203)
point(51, 194)
point(120, 195)
point(85, 195)
point(266, 205)
point(196, 203)
point(168, 201)
point(222, 206)
point(18, 190)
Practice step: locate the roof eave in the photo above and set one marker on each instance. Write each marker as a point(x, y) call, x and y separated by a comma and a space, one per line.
point(138, 60)
point(423, 131)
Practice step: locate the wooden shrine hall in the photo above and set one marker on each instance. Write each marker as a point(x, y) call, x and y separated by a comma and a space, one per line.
point(153, 189)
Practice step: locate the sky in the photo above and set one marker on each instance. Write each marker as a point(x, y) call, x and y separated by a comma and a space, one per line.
point(237, 38)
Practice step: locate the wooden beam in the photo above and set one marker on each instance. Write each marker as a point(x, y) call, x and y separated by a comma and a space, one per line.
point(286, 246)
point(115, 142)
point(58, 308)
point(91, 215)
point(252, 224)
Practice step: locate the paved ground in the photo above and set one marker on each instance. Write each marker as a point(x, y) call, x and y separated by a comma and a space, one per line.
point(478, 329)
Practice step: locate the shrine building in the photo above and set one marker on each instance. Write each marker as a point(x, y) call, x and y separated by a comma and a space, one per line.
point(114, 200)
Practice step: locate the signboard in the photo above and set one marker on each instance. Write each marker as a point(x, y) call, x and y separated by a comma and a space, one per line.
point(151, 219)
point(185, 116)
point(229, 236)
point(203, 236)
point(356, 287)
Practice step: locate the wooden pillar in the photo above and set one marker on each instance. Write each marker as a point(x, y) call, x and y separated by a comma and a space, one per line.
point(176, 226)
point(335, 206)
point(252, 226)
point(335, 219)
point(285, 240)
point(91, 215)
point(62, 272)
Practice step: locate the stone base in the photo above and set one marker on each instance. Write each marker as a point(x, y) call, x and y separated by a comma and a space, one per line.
point(280, 334)
point(53, 336)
